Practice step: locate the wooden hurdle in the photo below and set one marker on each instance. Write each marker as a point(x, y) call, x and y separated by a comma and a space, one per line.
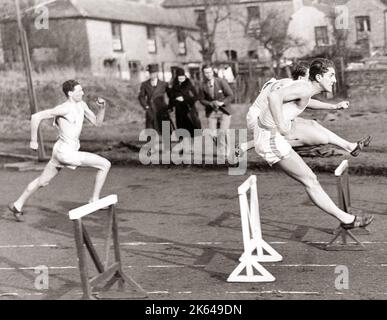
point(110, 274)
point(255, 248)
point(344, 200)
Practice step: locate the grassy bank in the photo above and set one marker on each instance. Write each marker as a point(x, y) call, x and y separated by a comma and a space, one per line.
point(125, 117)
point(124, 111)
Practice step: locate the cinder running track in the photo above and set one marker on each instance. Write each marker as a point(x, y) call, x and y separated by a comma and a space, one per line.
point(180, 235)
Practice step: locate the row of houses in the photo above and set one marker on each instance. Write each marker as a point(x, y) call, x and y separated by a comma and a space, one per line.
point(121, 37)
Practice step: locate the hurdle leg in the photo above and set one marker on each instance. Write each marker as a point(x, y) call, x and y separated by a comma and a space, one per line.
point(79, 239)
point(121, 276)
point(108, 236)
point(351, 235)
point(344, 203)
point(91, 249)
point(117, 252)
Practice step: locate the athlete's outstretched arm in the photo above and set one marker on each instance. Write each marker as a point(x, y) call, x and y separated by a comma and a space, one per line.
point(96, 120)
point(38, 117)
point(319, 105)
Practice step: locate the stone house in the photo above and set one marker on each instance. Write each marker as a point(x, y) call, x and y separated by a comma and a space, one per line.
point(232, 43)
point(366, 23)
point(310, 20)
point(118, 37)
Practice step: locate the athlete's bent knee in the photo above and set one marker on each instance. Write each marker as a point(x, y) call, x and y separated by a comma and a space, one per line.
point(107, 165)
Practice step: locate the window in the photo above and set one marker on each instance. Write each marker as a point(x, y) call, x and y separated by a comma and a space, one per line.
point(252, 54)
point(181, 40)
point(253, 13)
point(201, 20)
point(117, 38)
point(110, 62)
point(253, 16)
point(321, 34)
point(151, 34)
point(363, 27)
point(231, 55)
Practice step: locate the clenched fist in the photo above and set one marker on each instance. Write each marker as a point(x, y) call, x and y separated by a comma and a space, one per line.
point(34, 145)
point(342, 105)
point(101, 102)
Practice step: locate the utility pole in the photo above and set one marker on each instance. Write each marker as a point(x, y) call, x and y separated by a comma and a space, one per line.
point(28, 71)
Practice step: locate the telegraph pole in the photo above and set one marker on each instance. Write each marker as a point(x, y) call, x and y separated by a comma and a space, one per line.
point(28, 71)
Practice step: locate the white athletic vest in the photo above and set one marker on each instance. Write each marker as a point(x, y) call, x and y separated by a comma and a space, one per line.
point(290, 111)
point(70, 126)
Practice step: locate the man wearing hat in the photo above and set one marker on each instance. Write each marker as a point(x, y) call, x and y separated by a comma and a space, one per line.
point(153, 98)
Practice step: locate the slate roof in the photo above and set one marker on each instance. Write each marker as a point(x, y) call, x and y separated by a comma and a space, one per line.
point(120, 11)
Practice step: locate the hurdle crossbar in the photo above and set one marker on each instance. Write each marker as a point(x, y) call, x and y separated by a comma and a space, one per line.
point(85, 210)
point(342, 168)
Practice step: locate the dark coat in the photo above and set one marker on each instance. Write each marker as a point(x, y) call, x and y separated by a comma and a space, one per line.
point(155, 98)
point(222, 92)
point(187, 116)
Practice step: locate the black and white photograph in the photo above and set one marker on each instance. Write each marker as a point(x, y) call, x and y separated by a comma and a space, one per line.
point(203, 151)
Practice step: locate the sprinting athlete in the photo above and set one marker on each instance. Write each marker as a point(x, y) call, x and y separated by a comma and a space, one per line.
point(274, 124)
point(304, 132)
point(68, 118)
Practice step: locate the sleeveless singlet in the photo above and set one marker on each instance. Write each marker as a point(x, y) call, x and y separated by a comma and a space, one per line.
point(70, 127)
point(290, 109)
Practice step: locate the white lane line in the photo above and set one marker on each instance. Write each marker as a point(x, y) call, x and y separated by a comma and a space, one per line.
point(127, 267)
point(273, 292)
point(15, 294)
point(209, 243)
point(176, 266)
point(349, 242)
point(29, 246)
point(191, 266)
point(167, 266)
point(9, 294)
point(304, 265)
point(134, 244)
point(33, 268)
point(158, 292)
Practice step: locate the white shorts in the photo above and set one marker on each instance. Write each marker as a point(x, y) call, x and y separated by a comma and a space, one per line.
point(271, 145)
point(66, 155)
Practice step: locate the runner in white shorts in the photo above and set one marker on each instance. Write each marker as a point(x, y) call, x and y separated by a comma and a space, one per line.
point(304, 132)
point(284, 105)
point(68, 118)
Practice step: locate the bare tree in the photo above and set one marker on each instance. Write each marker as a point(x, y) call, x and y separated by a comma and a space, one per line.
point(271, 32)
point(340, 35)
point(213, 12)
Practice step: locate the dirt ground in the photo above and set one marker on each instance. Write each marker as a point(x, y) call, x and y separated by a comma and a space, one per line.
point(180, 234)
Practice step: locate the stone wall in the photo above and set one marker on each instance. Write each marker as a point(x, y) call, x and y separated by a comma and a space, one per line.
point(367, 89)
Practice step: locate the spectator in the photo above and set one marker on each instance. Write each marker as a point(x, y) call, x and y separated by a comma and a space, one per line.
point(152, 97)
point(216, 95)
point(182, 97)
